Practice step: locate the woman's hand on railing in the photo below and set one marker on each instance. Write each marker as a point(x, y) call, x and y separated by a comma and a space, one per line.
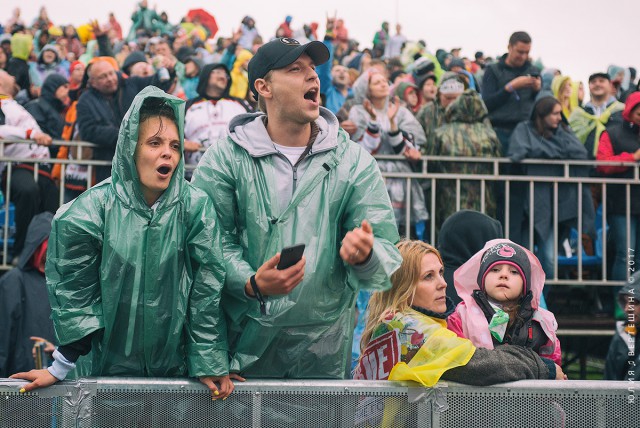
point(226, 385)
point(39, 379)
point(560, 374)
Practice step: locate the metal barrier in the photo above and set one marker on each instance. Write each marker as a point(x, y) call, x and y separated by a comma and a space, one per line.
point(433, 178)
point(155, 402)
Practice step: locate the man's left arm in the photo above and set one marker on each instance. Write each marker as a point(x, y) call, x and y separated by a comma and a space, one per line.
point(368, 200)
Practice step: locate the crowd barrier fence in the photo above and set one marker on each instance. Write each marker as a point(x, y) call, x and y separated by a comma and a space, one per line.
point(432, 178)
point(161, 402)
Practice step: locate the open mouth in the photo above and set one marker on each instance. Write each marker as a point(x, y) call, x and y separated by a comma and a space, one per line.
point(312, 95)
point(164, 170)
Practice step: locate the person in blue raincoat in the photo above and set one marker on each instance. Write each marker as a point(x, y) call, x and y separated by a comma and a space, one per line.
point(134, 265)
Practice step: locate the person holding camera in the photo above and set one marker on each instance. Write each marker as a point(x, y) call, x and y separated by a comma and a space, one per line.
point(284, 176)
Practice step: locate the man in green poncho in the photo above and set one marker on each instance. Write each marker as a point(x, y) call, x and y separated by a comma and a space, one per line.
point(134, 265)
point(287, 177)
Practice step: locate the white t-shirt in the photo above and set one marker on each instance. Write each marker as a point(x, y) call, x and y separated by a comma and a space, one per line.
point(292, 153)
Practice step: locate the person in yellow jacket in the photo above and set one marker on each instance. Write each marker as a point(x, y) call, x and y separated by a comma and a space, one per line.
point(239, 75)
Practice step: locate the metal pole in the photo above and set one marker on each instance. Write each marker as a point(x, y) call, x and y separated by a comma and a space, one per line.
point(603, 204)
point(433, 211)
point(555, 230)
point(580, 228)
point(407, 218)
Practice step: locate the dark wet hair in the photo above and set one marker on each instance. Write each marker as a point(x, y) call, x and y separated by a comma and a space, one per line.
point(156, 107)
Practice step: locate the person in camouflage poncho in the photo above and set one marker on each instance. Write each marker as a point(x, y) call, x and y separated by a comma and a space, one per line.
point(431, 115)
point(466, 132)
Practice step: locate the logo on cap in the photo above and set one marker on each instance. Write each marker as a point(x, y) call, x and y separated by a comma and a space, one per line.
point(288, 41)
point(506, 251)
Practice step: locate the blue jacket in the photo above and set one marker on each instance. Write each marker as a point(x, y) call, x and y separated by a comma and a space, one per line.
point(334, 100)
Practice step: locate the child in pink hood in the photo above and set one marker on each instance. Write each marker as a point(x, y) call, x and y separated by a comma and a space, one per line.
point(500, 287)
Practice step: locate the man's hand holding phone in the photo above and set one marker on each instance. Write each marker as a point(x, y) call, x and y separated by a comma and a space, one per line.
point(273, 281)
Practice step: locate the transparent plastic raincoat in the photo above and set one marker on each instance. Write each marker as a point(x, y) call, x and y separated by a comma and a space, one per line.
point(307, 333)
point(144, 282)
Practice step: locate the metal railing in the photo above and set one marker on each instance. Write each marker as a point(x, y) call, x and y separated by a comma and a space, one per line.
point(433, 178)
point(160, 402)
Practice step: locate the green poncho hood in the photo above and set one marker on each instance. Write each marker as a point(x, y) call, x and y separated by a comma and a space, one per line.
point(124, 176)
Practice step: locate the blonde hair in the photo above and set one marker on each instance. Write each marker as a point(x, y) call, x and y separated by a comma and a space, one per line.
point(404, 283)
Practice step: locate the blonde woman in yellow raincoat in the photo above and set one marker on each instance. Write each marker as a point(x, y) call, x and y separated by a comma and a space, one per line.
point(407, 325)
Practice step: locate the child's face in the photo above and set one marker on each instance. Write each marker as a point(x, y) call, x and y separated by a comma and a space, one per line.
point(503, 283)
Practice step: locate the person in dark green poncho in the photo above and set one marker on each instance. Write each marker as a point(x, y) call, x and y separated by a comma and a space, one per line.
point(134, 266)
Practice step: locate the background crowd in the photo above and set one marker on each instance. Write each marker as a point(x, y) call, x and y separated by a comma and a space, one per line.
point(62, 81)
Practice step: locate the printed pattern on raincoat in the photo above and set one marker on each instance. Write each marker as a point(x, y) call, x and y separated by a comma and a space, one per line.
point(146, 283)
point(469, 320)
point(307, 333)
point(426, 349)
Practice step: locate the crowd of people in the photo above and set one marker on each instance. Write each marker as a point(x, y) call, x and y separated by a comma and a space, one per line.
point(148, 274)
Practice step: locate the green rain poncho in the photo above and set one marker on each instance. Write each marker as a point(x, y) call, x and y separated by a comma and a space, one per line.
point(307, 333)
point(144, 282)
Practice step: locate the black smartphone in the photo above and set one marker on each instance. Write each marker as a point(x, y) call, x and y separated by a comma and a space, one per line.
point(289, 256)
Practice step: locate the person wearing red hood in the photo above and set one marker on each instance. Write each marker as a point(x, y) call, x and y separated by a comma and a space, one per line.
point(621, 142)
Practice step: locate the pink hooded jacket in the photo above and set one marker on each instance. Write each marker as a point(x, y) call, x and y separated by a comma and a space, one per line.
point(469, 321)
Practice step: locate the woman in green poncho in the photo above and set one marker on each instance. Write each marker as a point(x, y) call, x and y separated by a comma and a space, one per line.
point(134, 266)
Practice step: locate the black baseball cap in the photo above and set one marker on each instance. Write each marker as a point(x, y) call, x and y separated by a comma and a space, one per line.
point(596, 75)
point(279, 53)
